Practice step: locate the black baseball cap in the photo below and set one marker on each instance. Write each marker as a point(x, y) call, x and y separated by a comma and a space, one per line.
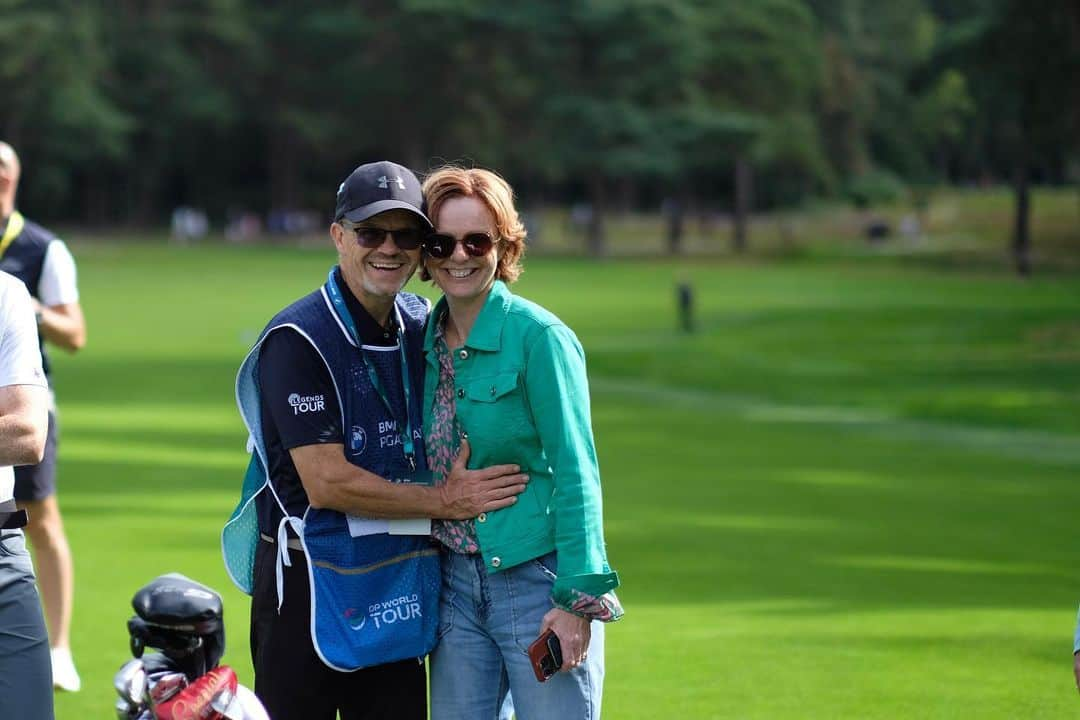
point(377, 187)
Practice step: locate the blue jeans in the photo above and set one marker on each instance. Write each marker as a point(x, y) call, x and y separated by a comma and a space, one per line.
point(486, 623)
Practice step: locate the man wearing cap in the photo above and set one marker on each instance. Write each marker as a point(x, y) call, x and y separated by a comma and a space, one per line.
point(43, 263)
point(25, 678)
point(344, 579)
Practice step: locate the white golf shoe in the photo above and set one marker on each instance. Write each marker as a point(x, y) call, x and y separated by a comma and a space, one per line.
point(65, 677)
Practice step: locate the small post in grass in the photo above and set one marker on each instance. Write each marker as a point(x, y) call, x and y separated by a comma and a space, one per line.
point(684, 296)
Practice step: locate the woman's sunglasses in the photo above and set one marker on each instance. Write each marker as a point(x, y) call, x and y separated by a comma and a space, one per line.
point(373, 237)
point(441, 245)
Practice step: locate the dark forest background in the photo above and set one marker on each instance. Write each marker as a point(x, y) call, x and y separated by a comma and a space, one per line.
point(123, 110)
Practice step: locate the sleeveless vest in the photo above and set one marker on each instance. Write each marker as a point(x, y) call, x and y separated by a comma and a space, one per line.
point(24, 258)
point(374, 598)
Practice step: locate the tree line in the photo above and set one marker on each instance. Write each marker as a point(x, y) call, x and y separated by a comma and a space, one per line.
point(124, 109)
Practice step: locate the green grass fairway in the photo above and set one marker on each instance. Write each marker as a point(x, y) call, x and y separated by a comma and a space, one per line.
point(853, 494)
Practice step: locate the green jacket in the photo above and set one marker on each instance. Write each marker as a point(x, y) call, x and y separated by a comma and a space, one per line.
point(523, 397)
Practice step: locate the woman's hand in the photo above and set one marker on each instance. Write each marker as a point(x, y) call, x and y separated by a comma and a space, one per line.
point(573, 632)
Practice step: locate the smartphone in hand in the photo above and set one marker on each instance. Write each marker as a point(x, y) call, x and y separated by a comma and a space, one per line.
point(546, 655)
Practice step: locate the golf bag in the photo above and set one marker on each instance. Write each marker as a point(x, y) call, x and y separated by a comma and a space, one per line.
point(183, 620)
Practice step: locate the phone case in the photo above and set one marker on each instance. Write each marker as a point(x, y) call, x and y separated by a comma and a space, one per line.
point(545, 653)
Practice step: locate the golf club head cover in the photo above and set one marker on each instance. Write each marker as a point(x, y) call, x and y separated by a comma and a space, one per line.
point(196, 701)
point(175, 601)
point(183, 619)
point(243, 706)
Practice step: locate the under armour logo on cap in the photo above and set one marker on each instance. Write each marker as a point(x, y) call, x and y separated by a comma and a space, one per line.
point(384, 182)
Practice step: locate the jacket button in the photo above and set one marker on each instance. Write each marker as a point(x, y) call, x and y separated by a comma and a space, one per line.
point(461, 392)
point(496, 562)
point(482, 517)
point(464, 354)
point(493, 391)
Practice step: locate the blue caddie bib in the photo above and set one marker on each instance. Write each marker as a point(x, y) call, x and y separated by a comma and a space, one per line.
point(374, 598)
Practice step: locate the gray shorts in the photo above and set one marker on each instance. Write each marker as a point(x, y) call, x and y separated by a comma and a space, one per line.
point(25, 664)
point(37, 482)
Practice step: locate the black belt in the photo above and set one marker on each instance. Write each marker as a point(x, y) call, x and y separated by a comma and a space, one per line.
point(11, 517)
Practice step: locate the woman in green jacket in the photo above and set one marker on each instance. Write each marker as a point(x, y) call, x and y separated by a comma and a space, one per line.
point(507, 378)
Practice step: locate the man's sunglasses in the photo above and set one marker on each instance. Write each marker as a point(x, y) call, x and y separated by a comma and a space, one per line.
point(441, 245)
point(373, 237)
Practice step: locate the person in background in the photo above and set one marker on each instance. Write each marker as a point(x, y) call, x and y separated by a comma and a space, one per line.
point(43, 263)
point(25, 677)
point(510, 377)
